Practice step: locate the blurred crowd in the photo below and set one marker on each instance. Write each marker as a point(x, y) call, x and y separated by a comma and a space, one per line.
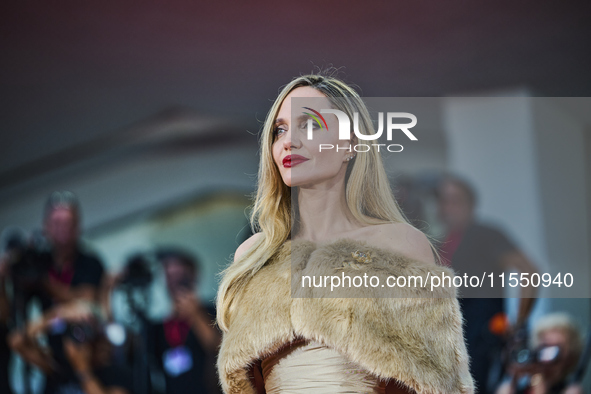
point(506, 355)
point(80, 347)
point(75, 342)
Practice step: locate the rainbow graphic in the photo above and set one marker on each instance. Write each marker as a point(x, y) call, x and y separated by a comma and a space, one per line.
point(316, 117)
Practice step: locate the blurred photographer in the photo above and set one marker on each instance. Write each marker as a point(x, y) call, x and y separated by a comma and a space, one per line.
point(86, 347)
point(472, 247)
point(74, 274)
point(55, 270)
point(185, 344)
point(4, 324)
point(546, 367)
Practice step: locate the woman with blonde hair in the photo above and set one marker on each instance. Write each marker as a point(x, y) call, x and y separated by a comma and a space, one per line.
point(327, 214)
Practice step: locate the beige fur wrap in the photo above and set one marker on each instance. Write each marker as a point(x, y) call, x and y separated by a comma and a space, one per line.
point(411, 334)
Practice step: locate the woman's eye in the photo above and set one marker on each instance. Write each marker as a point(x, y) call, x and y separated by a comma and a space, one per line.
point(304, 125)
point(279, 131)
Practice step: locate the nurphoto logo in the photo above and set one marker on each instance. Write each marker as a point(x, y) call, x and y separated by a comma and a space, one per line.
point(315, 117)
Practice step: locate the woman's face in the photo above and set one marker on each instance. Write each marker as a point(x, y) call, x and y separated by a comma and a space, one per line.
point(300, 161)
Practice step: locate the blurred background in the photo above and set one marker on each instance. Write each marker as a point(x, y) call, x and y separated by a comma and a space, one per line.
point(150, 111)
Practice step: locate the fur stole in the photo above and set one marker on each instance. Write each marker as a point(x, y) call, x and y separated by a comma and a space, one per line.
point(410, 334)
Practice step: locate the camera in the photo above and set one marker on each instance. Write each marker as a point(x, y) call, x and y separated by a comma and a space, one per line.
point(29, 259)
point(83, 332)
point(90, 330)
point(137, 272)
point(540, 355)
point(524, 358)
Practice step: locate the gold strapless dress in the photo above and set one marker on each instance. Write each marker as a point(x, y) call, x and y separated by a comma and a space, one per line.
point(310, 367)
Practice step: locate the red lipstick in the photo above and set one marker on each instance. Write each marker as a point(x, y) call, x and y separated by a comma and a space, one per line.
point(293, 160)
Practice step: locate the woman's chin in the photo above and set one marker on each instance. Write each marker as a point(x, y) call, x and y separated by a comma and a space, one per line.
point(294, 181)
point(287, 179)
point(300, 183)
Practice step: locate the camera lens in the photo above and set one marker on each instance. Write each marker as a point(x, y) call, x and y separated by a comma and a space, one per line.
point(78, 333)
point(523, 356)
point(548, 354)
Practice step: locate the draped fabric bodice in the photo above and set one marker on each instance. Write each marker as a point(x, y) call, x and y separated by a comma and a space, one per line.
point(309, 367)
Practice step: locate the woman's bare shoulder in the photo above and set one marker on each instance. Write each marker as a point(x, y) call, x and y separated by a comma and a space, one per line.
point(405, 239)
point(244, 246)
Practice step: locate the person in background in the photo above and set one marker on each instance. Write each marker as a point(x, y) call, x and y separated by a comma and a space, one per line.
point(4, 322)
point(407, 197)
point(558, 344)
point(472, 247)
point(72, 274)
point(86, 348)
point(185, 344)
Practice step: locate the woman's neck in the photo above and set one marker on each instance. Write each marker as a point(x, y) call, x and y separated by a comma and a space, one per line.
point(324, 213)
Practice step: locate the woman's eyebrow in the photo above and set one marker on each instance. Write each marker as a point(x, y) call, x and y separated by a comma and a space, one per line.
point(301, 117)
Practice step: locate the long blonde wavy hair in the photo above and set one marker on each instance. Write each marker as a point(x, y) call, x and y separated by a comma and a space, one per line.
point(368, 193)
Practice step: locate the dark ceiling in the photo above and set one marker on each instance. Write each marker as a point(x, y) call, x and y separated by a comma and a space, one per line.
point(74, 70)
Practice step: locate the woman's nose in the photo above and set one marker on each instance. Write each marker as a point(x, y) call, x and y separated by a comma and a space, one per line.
point(291, 140)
